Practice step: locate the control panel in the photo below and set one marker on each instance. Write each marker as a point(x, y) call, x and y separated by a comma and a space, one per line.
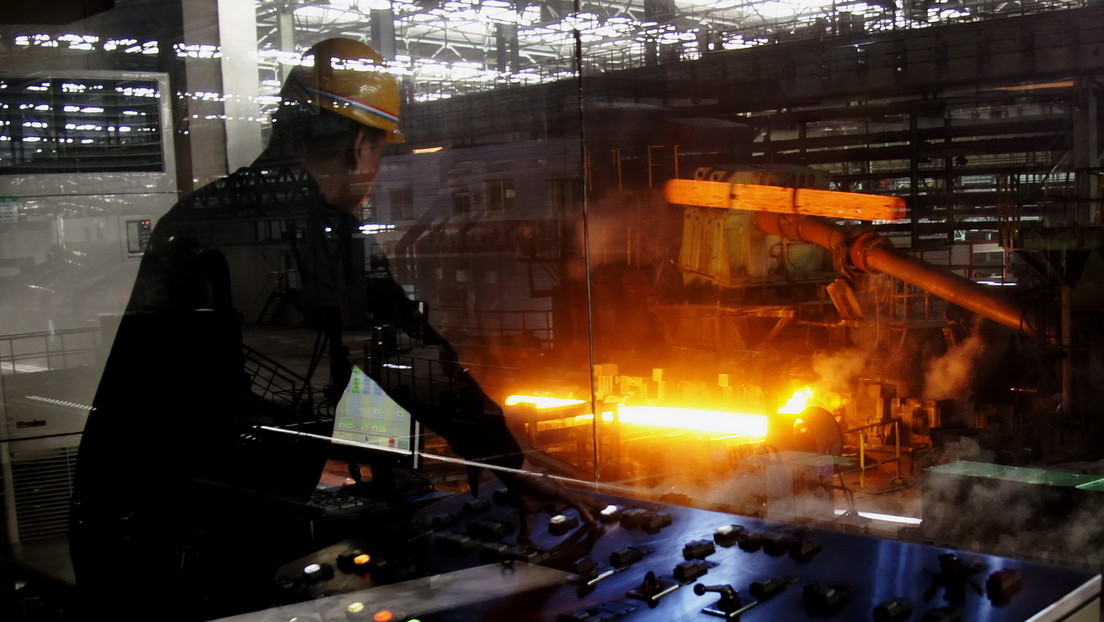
point(461, 559)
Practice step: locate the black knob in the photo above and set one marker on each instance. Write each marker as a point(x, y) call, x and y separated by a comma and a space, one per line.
point(651, 585)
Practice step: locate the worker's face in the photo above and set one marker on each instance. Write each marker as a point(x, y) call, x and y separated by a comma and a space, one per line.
point(346, 179)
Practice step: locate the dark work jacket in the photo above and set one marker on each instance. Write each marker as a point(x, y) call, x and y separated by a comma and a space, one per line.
point(171, 474)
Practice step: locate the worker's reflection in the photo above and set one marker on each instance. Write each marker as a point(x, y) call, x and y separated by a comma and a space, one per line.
point(182, 507)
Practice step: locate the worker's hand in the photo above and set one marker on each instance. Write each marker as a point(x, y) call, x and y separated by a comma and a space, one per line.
point(530, 493)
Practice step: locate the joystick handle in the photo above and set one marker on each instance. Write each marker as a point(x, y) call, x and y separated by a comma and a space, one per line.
point(730, 599)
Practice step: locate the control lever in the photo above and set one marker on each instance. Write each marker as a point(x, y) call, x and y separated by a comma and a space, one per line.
point(588, 574)
point(728, 606)
point(653, 588)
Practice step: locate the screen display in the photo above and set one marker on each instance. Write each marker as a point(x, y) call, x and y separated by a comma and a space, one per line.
point(366, 414)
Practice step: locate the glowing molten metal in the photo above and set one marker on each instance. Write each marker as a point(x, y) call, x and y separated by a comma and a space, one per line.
point(690, 419)
point(541, 403)
point(717, 421)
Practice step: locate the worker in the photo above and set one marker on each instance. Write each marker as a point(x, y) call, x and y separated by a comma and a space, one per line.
point(182, 504)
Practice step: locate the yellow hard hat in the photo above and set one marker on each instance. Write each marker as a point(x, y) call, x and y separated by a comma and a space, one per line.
point(349, 78)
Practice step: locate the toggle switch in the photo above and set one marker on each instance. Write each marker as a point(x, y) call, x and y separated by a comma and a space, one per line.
point(585, 567)
point(698, 549)
point(804, 550)
point(1002, 585)
point(824, 601)
point(750, 541)
point(687, 571)
point(314, 573)
point(893, 610)
point(489, 529)
point(610, 514)
point(560, 524)
point(631, 518)
point(653, 522)
point(942, 614)
point(476, 506)
point(443, 519)
point(456, 544)
point(626, 556)
point(728, 535)
point(354, 561)
point(776, 544)
point(606, 612)
point(764, 590)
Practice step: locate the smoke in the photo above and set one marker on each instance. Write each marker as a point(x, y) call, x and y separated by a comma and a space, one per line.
point(837, 370)
point(949, 376)
point(1012, 511)
point(965, 448)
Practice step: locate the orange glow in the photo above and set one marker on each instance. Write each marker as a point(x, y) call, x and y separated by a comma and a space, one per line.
point(541, 402)
point(742, 424)
point(606, 416)
point(827, 203)
point(383, 616)
point(798, 402)
point(362, 559)
point(1064, 84)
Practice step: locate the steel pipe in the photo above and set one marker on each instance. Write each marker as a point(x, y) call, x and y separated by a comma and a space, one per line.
point(866, 251)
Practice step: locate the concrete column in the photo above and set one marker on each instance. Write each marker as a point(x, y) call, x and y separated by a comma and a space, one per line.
point(507, 55)
point(285, 31)
point(240, 81)
point(1086, 152)
point(206, 134)
point(383, 32)
point(223, 134)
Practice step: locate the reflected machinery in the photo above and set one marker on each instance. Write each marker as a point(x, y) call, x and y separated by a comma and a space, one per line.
point(722, 337)
point(735, 313)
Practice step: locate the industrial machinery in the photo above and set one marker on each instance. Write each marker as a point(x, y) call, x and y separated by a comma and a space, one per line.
point(708, 292)
point(461, 559)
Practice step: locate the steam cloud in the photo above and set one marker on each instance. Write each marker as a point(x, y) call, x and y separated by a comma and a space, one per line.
point(837, 370)
point(949, 376)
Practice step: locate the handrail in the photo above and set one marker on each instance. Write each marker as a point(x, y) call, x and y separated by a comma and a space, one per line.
point(14, 349)
point(896, 423)
point(278, 381)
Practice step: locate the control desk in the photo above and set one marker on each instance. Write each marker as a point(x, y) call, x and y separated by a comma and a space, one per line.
point(460, 560)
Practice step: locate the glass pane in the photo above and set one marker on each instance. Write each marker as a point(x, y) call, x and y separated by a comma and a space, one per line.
point(286, 258)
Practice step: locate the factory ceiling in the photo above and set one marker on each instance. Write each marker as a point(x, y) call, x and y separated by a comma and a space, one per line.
point(451, 47)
